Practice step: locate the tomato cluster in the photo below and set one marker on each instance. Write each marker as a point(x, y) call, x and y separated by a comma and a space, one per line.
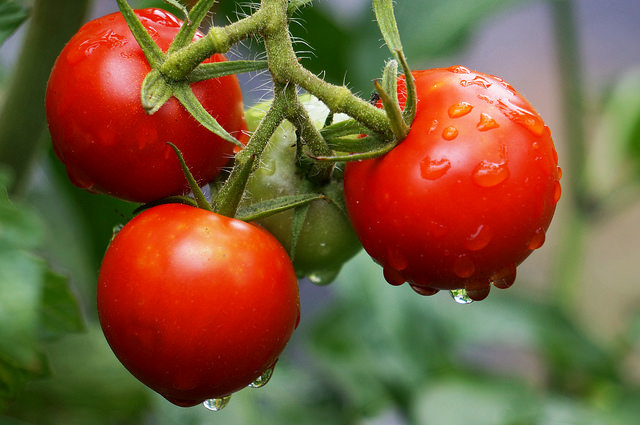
point(198, 305)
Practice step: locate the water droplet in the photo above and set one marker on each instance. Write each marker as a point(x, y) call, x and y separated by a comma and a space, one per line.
point(459, 109)
point(504, 278)
point(424, 291)
point(528, 119)
point(80, 180)
point(488, 174)
point(459, 69)
point(263, 379)
point(116, 229)
point(477, 81)
point(486, 122)
point(557, 192)
point(432, 169)
point(393, 276)
point(450, 133)
point(479, 294)
point(463, 267)
point(396, 259)
point(108, 38)
point(537, 240)
point(323, 277)
point(559, 173)
point(460, 296)
point(479, 239)
point(217, 404)
point(434, 126)
point(268, 167)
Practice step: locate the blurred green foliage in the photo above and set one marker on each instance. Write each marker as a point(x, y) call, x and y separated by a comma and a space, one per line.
point(365, 352)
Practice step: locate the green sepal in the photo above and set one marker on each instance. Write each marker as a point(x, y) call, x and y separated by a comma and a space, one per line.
point(390, 81)
point(297, 223)
point(273, 206)
point(155, 92)
point(371, 146)
point(398, 125)
point(201, 200)
point(343, 128)
point(411, 103)
point(183, 92)
point(193, 20)
point(207, 71)
point(155, 56)
point(228, 198)
point(383, 10)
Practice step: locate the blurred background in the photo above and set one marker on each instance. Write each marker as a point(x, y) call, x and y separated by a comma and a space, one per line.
point(561, 347)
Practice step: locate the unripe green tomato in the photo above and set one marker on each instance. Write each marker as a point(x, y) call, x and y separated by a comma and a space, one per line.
point(327, 239)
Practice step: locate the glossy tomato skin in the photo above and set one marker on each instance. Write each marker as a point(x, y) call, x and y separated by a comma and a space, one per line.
point(194, 304)
point(102, 134)
point(467, 196)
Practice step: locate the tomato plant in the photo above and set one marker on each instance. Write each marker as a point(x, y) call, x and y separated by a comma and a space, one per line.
point(194, 304)
point(469, 193)
point(100, 130)
point(326, 239)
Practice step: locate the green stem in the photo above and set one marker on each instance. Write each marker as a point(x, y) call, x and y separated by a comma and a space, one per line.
point(568, 262)
point(22, 119)
point(230, 195)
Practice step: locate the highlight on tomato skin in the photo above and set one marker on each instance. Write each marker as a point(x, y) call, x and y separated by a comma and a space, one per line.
point(194, 304)
point(467, 196)
point(102, 134)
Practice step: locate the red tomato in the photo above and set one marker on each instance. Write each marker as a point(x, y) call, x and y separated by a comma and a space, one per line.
point(467, 196)
point(194, 304)
point(100, 130)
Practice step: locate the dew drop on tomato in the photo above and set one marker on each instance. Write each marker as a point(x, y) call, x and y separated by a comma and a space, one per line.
point(504, 278)
point(463, 267)
point(488, 174)
point(537, 240)
point(486, 122)
point(433, 169)
point(450, 133)
point(557, 192)
point(459, 69)
point(217, 404)
point(393, 276)
point(459, 109)
point(479, 239)
point(424, 291)
point(263, 379)
point(396, 259)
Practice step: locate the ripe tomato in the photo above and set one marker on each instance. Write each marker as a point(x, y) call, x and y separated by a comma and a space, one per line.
point(327, 239)
point(100, 130)
point(194, 304)
point(469, 193)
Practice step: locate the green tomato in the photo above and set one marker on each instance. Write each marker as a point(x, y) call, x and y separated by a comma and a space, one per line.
point(326, 240)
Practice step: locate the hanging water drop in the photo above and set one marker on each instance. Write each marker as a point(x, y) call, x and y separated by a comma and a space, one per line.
point(460, 296)
point(263, 379)
point(323, 277)
point(217, 404)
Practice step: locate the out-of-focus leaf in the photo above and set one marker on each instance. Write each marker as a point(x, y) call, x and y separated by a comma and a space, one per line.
point(59, 312)
point(26, 290)
point(12, 15)
point(614, 159)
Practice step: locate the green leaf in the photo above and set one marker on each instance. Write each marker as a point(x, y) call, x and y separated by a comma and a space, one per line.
point(59, 310)
point(12, 15)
